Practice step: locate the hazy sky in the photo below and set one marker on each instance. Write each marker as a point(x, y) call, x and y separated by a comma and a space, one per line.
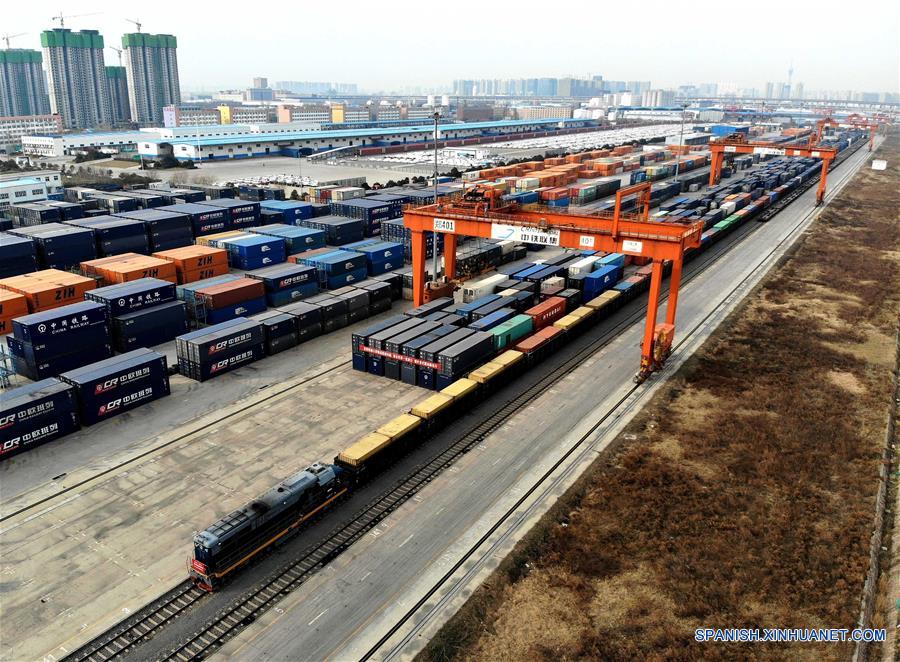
point(388, 45)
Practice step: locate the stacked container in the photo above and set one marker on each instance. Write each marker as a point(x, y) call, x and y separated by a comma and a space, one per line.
point(164, 229)
point(48, 343)
point(203, 218)
point(50, 288)
point(118, 384)
point(335, 268)
point(381, 256)
point(34, 414)
point(371, 212)
point(242, 214)
point(307, 319)
point(231, 299)
point(338, 230)
point(254, 251)
point(58, 245)
point(143, 313)
point(129, 267)
point(18, 255)
point(287, 283)
point(193, 263)
point(12, 305)
point(218, 349)
point(296, 239)
point(114, 235)
point(291, 212)
point(279, 331)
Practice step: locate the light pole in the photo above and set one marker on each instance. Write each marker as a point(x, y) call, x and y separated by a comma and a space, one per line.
point(434, 237)
point(680, 142)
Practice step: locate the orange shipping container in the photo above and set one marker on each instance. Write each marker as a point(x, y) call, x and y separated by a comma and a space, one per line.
point(194, 263)
point(48, 289)
point(92, 267)
point(135, 268)
point(12, 304)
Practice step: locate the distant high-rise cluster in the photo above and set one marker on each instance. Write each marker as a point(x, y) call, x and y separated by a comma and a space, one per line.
point(23, 90)
point(305, 87)
point(79, 92)
point(79, 87)
point(151, 65)
point(547, 87)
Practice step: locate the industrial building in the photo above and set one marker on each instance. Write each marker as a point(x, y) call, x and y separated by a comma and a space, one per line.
point(190, 115)
point(13, 128)
point(29, 186)
point(23, 90)
point(249, 145)
point(56, 145)
point(78, 86)
point(152, 65)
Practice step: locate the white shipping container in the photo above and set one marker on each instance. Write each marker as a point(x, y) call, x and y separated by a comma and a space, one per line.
point(550, 283)
point(729, 207)
point(479, 287)
point(583, 266)
point(506, 246)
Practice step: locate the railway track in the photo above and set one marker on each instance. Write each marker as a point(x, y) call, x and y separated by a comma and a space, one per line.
point(230, 620)
point(547, 483)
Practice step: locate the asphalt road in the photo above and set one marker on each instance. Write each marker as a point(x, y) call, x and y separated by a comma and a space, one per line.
point(347, 607)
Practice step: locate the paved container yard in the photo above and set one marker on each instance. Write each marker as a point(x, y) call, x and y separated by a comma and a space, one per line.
point(83, 556)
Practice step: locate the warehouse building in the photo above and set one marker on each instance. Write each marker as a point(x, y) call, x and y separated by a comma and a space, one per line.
point(13, 128)
point(250, 145)
point(56, 145)
point(31, 186)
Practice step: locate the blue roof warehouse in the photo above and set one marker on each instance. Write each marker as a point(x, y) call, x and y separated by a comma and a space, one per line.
point(307, 142)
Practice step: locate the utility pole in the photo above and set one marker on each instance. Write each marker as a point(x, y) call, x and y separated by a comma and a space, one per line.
point(680, 141)
point(434, 238)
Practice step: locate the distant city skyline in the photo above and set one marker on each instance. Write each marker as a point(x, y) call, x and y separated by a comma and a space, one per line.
point(421, 46)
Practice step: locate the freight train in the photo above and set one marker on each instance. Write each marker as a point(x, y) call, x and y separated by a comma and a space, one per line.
point(239, 537)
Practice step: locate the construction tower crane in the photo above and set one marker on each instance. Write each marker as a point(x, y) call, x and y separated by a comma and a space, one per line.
point(137, 22)
point(481, 213)
point(118, 52)
point(62, 19)
point(737, 144)
point(8, 36)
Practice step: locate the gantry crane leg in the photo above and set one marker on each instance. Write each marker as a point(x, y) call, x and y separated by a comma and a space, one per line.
point(418, 267)
point(647, 360)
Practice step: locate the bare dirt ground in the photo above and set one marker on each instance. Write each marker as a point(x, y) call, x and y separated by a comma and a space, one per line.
point(744, 494)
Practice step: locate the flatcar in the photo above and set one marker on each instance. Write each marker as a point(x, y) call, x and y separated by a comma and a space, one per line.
point(240, 536)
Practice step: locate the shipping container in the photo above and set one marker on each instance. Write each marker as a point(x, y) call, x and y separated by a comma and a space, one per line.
point(150, 326)
point(203, 218)
point(165, 229)
point(114, 235)
point(18, 255)
point(296, 239)
point(118, 384)
point(48, 289)
point(59, 245)
point(242, 214)
point(34, 414)
point(254, 251)
point(465, 355)
point(220, 348)
point(290, 211)
point(126, 298)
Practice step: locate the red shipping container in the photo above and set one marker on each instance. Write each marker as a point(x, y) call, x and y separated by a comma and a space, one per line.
point(231, 293)
point(547, 312)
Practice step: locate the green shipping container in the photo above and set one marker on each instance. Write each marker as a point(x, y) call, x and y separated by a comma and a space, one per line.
point(511, 330)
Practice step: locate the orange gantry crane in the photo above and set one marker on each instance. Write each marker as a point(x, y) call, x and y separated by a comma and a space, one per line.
point(854, 121)
point(737, 144)
point(480, 213)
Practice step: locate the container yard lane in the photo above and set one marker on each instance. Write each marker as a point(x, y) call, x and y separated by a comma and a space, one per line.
point(346, 611)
